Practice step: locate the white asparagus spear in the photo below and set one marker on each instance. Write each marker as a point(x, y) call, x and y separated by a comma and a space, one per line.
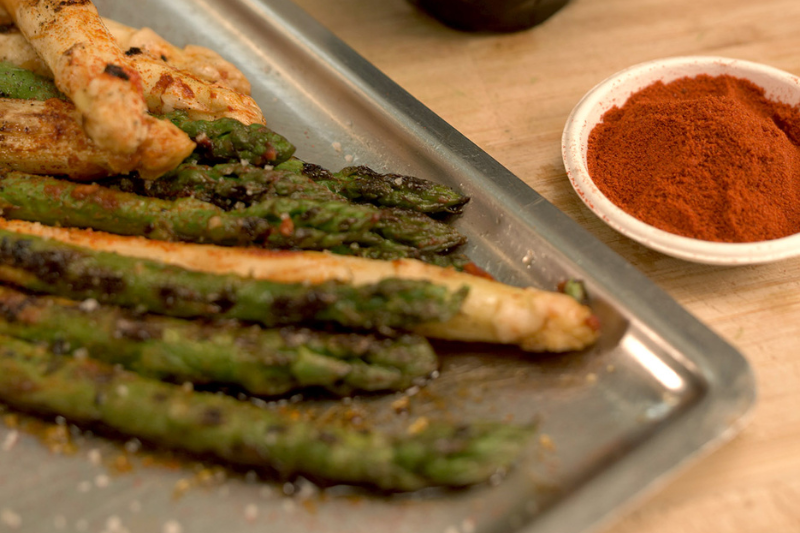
point(532, 319)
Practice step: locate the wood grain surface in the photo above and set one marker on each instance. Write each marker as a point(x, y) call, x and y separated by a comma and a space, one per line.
point(511, 95)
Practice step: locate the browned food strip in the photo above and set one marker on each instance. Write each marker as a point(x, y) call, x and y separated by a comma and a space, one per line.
point(533, 319)
point(88, 67)
point(168, 89)
point(47, 138)
point(198, 61)
point(92, 71)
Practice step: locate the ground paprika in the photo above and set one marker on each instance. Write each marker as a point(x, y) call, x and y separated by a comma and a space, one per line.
point(705, 157)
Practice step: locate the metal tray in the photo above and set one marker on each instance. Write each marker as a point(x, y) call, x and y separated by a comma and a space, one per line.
point(658, 389)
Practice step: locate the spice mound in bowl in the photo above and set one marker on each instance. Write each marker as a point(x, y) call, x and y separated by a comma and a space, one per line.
point(696, 157)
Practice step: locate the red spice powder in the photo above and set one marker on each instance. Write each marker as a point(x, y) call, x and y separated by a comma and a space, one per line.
point(705, 157)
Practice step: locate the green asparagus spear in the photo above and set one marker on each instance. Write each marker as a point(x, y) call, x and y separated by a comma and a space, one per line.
point(363, 184)
point(86, 391)
point(17, 82)
point(228, 140)
point(74, 272)
point(262, 361)
point(225, 185)
point(233, 184)
point(276, 222)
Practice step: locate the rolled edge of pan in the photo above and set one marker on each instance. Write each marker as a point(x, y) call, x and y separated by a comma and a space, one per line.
point(533, 319)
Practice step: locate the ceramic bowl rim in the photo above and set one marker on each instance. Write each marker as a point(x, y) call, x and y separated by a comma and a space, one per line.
point(615, 90)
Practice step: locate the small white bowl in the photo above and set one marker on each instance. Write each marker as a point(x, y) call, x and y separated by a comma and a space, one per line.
point(615, 91)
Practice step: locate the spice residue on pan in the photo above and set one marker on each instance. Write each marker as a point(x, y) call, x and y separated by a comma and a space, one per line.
point(706, 157)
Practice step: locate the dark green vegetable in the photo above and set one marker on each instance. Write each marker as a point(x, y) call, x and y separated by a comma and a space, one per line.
point(17, 82)
point(56, 268)
point(262, 361)
point(247, 187)
point(274, 222)
point(87, 391)
point(228, 140)
point(362, 184)
point(576, 289)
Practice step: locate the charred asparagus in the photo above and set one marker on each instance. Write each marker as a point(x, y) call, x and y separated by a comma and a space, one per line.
point(276, 222)
point(88, 391)
point(231, 185)
point(262, 361)
point(363, 184)
point(227, 139)
point(56, 268)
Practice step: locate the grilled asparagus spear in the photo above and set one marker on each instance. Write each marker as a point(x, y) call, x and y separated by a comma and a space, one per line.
point(229, 185)
point(88, 391)
point(363, 184)
point(17, 82)
point(534, 319)
point(227, 139)
point(262, 361)
point(70, 271)
point(277, 222)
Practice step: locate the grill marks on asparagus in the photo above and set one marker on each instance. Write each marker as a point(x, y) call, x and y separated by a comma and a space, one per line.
point(227, 139)
point(362, 184)
point(274, 222)
point(56, 268)
point(88, 391)
point(246, 189)
point(262, 361)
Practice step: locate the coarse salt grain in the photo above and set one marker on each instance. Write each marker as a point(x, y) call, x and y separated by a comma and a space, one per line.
point(288, 505)
point(349, 158)
point(10, 519)
point(88, 305)
point(95, 457)
point(114, 523)
point(468, 525)
point(102, 481)
point(10, 440)
point(172, 526)
point(337, 146)
point(251, 512)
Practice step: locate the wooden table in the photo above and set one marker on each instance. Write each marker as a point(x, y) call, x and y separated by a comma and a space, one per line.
point(511, 95)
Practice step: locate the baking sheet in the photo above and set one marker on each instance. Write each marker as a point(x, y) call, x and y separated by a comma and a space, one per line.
point(657, 390)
